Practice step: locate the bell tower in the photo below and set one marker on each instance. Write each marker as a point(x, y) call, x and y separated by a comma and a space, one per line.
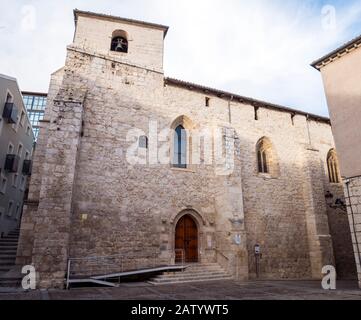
point(133, 42)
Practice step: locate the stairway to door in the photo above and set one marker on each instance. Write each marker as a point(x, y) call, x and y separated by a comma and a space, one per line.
point(8, 249)
point(196, 272)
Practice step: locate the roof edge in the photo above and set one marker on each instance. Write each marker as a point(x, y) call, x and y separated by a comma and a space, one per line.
point(126, 20)
point(34, 93)
point(337, 53)
point(243, 99)
point(4, 76)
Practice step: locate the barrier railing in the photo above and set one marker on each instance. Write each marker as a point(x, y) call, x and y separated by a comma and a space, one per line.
point(179, 256)
point(79, 268)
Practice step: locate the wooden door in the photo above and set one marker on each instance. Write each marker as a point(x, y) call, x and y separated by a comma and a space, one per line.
point(186, 238)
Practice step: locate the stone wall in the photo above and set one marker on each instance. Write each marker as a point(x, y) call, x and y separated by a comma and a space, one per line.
point(25, 247)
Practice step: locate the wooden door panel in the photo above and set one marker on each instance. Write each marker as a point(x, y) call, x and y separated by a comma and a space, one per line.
point(186, 238)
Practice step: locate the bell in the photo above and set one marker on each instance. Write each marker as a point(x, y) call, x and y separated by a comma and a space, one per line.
point(120, 46)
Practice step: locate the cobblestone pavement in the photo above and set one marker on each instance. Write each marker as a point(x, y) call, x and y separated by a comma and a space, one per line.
point(221, 290)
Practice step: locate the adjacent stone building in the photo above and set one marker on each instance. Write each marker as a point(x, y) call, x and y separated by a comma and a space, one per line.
point(342, 81)
point(131, 163)
point(16, 147)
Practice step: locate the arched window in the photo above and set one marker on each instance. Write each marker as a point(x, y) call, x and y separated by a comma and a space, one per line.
point(180, 147)
point(266, 158)
point(262, 161)
point(119, 41)
point(332, 165)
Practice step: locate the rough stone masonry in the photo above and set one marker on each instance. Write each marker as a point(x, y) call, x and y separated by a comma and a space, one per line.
point(87, 200)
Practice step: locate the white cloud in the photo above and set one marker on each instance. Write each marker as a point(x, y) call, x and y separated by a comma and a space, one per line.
point(261, 48)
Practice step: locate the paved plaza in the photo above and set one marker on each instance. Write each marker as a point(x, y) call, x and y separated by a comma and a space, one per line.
point(221, 290)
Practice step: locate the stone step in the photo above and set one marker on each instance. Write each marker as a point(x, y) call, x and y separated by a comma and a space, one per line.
point(200, 273)
point(4, 240)
point(7, 257)
point(224, 278)
point(11, 234)
point(10, 283)
point(202, 264)
point(7, 262)
point(8, 244)
point(5, 268)
point(8, 248)
point(8, 254)
point(194, 273)
point(9, 239)
point(202, 270)
point(7, 251)
point(203, 267)
point(180, 275)
point(195, 265)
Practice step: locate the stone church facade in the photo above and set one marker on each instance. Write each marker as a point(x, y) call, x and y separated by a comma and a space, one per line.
point(87, 198)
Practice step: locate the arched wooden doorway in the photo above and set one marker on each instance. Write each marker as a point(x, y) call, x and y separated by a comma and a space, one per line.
point(186, 238)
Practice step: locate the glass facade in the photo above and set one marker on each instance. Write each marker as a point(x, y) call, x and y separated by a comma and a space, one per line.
point(35, 104)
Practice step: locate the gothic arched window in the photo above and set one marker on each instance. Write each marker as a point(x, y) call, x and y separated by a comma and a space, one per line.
point(180, 147)
point(266, 160)
point(262, 161)
point(332, 165)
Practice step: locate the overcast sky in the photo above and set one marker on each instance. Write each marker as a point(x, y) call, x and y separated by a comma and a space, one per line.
point(260, 48)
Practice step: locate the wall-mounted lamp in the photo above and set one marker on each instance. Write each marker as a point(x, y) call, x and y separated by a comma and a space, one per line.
point(338, 204)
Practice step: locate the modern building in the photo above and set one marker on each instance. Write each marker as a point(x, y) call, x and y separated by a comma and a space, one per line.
point(341, 74)
point(16, 146)
point(142, 168)
point(35, 104)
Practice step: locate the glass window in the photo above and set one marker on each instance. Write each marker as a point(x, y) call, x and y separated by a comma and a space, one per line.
point(180, 147)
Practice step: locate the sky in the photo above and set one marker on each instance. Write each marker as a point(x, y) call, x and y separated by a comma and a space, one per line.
point(260, 49)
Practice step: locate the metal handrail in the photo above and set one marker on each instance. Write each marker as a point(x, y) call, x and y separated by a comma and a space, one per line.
point(124, 263)
point(222, 254)
point(182, 254)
